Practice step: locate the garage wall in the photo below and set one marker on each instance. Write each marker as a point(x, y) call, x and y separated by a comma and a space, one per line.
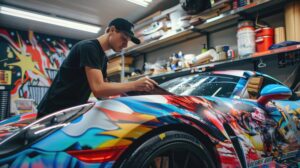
point(33, 59)
point(228, 36)
point(192, 46)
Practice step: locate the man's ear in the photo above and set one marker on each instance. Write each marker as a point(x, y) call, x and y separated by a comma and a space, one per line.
point(110, 29)
point(107, 29)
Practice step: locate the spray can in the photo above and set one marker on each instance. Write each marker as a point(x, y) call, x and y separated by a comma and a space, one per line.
point(230, 54)
point(204, 49)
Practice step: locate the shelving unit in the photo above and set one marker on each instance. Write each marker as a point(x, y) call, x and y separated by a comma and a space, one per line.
point(222, 21)
point(164, 41)
point(225, 20)
point(214, 65)
point(277, 51)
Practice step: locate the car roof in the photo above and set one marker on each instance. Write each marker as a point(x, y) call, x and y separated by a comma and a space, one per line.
point(244, 73)
point(237, 73)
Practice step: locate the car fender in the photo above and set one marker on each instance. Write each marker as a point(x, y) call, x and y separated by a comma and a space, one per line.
point(120, 122)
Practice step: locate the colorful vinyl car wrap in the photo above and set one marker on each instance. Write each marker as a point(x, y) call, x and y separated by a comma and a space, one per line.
point(244, 133)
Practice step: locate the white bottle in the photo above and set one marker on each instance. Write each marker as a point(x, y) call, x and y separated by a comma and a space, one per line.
point(246, 41)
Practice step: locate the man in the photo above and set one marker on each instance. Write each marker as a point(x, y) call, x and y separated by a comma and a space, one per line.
point(84, 71)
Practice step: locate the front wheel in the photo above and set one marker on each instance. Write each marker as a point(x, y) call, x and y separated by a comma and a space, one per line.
point(171, 149)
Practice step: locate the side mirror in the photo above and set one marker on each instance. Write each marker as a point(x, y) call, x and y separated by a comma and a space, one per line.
point(274, 92)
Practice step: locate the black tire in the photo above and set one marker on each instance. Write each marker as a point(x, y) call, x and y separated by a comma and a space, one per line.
point(172, 149)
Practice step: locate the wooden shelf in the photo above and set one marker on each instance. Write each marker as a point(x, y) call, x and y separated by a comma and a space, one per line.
point(231, 18)
point(164, 41)
point(277, 51)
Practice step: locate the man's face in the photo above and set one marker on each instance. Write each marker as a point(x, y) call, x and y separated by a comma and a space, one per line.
point(118, 40)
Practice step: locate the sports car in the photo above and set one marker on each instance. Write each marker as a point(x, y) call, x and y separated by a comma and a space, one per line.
point(215, 119)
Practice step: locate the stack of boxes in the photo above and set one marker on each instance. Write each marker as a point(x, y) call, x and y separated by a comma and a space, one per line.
point(292, 21)
point(148, 30)
point(114, 65)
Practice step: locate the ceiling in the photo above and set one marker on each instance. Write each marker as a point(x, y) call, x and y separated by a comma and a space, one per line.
point(96, 12)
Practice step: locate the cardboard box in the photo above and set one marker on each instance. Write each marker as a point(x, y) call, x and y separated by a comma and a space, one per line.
point(279, 35)
point(117, 69)
point(148, 17)
point(118, 60)
point(292, 20)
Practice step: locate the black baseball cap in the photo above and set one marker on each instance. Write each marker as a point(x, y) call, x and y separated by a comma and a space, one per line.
point(126, 27)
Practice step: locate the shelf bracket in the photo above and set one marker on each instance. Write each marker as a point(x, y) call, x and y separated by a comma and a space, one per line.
point(203, 32)
point(123, 67)
point(255, 65)
point(144, 60)
point(196, 30)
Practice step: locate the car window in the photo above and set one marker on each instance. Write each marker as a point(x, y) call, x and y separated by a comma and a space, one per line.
point(267, 80)
point(202, 85)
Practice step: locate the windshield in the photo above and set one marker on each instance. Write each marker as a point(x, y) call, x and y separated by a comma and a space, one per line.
point(202, 85)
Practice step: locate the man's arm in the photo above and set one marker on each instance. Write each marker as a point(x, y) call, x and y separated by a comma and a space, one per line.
point(101, 88)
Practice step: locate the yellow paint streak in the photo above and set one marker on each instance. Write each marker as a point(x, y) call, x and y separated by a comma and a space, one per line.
point(145, 117)
point(115, 143)
point(128, 131)
point(256, 141)
point(162, 136)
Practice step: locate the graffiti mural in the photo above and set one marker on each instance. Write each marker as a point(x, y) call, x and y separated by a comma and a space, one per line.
point(33, 59)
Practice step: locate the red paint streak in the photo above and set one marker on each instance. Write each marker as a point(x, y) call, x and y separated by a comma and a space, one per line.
point(28, 116)
point(99, 155)
point(188, 102)
point(213, 119)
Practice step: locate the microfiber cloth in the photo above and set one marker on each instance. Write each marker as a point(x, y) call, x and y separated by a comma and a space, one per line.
point(283, 44)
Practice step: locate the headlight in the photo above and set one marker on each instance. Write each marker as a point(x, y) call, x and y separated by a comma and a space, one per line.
point(40, 128)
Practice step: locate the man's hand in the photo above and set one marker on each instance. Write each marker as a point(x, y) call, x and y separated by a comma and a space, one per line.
point(101, 88)
point(144, 84)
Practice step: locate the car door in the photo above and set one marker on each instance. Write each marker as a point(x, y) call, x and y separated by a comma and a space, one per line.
point(286, 114)
point(280, 129)
point(289, 109)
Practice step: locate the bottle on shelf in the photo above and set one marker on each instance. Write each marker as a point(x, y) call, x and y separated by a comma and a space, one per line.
point(204, 48)
point(246, 38)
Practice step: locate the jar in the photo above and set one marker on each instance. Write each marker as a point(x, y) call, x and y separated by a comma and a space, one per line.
point(246, 41)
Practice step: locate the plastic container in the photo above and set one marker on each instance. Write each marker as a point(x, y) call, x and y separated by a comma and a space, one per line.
point(263, 43)
point(24, 105)
point(266, 31)
point(246, 41)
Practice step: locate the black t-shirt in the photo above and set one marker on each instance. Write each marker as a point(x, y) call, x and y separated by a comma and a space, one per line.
point(70, 86)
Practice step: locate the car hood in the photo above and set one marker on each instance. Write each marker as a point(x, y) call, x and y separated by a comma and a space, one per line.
point(15, 124)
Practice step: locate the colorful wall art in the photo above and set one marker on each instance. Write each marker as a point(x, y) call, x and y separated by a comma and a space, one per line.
point(33, 60)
